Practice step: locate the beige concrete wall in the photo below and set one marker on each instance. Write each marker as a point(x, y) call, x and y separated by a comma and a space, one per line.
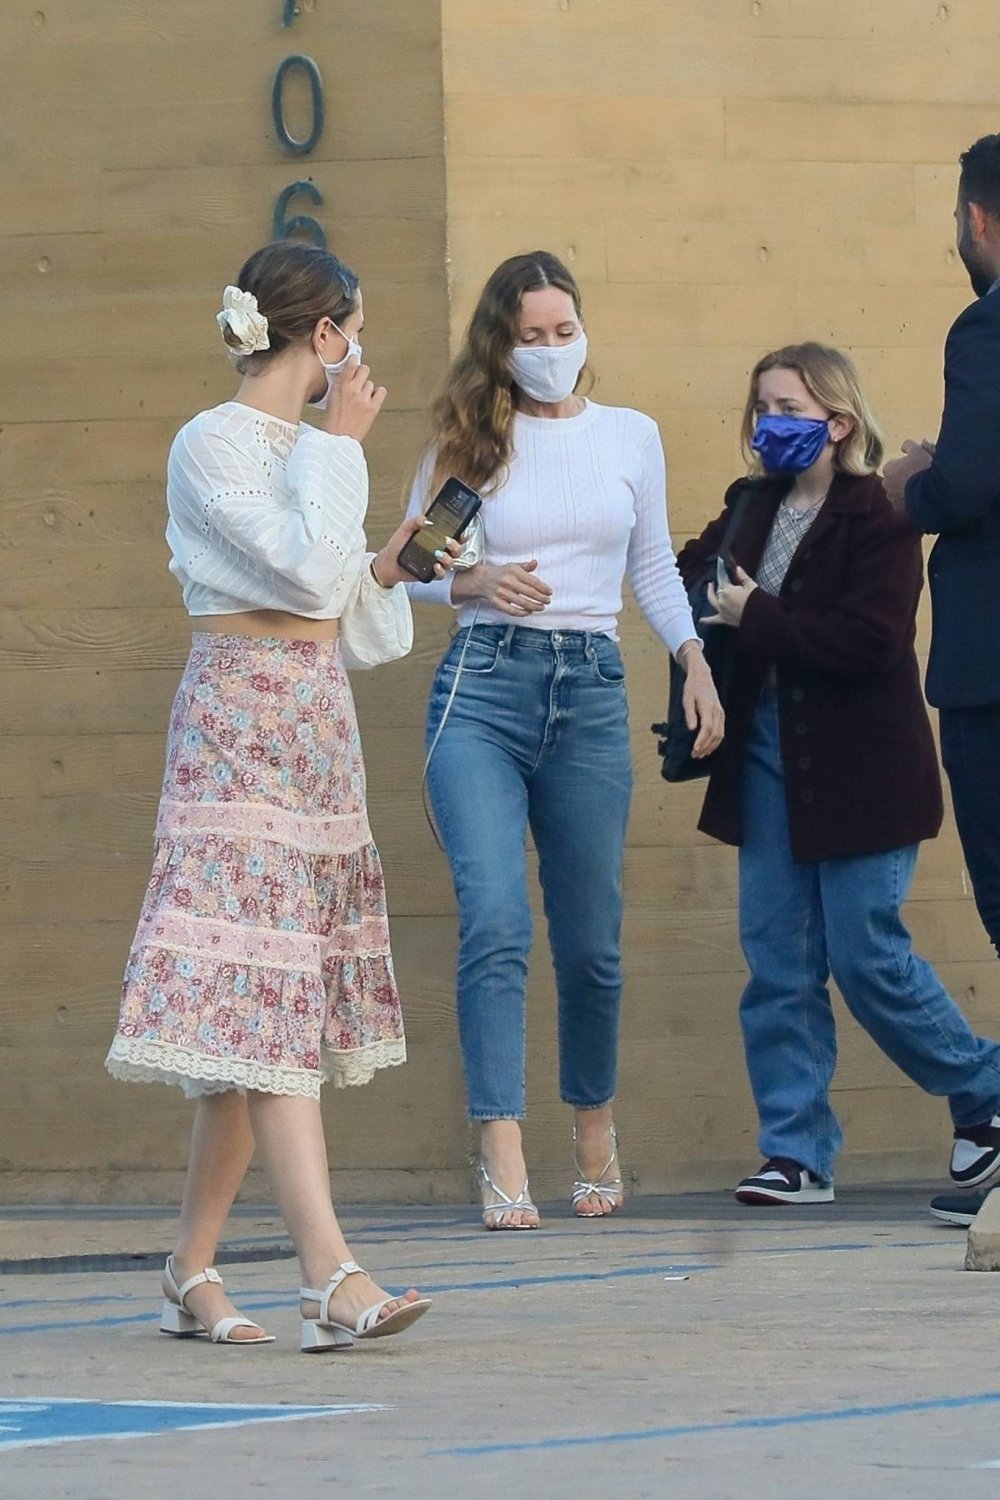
point(724, 177)
point(721, 176)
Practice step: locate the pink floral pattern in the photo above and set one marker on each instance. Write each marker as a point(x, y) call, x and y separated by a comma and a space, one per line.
point(262, 956)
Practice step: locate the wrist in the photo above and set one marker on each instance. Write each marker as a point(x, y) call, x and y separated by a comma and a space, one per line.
point(465, 584)
point(691, 654)
point(373, 568)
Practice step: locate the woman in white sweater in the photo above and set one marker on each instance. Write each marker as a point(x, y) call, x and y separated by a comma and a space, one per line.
point(261, 964)
point(528, 718)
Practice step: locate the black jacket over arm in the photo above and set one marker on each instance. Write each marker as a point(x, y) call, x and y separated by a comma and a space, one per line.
point(959, 498)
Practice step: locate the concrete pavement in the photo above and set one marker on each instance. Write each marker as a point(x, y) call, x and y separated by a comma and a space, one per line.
point(689, 1348)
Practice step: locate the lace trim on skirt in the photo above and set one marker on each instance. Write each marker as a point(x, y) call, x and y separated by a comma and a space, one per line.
point(136, 1060)
point(236, 943)
point(262, 955)
point(342, 833)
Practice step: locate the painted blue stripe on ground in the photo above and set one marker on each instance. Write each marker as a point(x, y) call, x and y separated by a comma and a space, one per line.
point(489, 1262)
point(740, 1424)
point(257, 1304)
point(268, 1301)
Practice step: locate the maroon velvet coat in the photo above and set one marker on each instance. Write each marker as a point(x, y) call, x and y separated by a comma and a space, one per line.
point(861, 772)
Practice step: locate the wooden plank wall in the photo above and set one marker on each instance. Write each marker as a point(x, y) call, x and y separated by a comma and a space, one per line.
point(724, 177)
point(721, 176)
point(138, 167)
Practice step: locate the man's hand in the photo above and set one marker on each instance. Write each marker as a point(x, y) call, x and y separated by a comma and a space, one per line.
point(899, 471)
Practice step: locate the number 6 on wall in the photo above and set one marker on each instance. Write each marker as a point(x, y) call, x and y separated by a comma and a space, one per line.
point(283, 229)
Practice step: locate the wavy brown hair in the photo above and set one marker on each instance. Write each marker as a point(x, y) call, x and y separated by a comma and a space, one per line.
point(472, 420)
point(831, 379)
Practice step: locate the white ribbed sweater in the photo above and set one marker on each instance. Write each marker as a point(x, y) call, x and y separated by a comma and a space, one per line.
point(587, 497)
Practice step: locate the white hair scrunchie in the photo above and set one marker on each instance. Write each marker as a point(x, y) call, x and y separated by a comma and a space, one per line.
point(241, 313)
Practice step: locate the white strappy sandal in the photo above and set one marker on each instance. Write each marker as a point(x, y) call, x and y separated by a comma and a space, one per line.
point(324, 1332)
point(494, 1212)
point(610, 1190)
point(176, 1319)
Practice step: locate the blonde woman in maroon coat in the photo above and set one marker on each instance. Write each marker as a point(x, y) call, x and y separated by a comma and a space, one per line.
point(827, 779)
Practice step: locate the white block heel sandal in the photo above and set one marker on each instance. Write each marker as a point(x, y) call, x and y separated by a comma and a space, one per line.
point(176, 1319)
point(324, 1332)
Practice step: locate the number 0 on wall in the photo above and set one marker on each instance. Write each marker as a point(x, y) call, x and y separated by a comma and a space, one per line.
point(283, 226)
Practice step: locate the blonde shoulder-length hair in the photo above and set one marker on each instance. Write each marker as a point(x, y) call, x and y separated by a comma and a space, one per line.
point(832, 381)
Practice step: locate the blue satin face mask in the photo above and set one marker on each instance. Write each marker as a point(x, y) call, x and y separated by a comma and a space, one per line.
point(790, 445)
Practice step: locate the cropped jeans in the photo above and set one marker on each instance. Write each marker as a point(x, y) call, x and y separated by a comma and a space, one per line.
point(801, 922)
point(536, 736)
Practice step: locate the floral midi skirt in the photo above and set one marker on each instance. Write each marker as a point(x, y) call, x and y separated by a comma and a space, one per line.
point(261, 960)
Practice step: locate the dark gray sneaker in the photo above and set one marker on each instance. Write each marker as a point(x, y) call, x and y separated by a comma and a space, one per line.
point(781, 1180)
point(959, 1208)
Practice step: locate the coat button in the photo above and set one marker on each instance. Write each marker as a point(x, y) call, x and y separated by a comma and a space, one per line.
point(808, 796)
point(796, 585)
point(797, 695)
point(805, 762)
point(801, 727)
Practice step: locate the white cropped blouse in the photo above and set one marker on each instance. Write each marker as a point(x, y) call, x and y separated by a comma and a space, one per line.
point(587, 497)
point(267, 514)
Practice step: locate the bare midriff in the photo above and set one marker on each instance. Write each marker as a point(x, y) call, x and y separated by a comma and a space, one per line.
point(268, 622)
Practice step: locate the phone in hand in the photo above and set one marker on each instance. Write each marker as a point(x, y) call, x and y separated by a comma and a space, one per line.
point(448, 514)
point(725, 569)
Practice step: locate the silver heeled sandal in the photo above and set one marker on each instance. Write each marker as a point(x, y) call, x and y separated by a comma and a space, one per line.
point(493, 1212)
point(181, 1324)
point(610, 1190)
point(324, 1332)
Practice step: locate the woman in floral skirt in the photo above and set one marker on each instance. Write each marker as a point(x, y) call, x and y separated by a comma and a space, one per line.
point(261, 965)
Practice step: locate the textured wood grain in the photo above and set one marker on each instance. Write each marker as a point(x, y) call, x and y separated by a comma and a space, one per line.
point(824, 212)
point(709, 208)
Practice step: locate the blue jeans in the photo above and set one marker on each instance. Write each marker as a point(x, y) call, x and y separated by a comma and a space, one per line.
point(799, 924)
point(970, 749)
point(537, 734)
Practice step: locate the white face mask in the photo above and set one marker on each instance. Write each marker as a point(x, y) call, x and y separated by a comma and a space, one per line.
point(332, 371)
point(549, 372)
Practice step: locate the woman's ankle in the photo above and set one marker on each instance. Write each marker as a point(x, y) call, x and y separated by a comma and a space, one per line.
point(593, 1122)
point(188, 1258)
point(499, 1137)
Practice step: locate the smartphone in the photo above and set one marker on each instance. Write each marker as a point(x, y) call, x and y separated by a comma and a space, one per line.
point(724, 567)
point(448, 514)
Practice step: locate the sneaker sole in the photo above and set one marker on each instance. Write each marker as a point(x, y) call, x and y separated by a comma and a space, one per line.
point(964, 1181)
point(953, 1216)
point(775, 1198)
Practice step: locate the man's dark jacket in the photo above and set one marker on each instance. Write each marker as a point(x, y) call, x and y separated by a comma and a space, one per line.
point(861, 772)
point(959, 497)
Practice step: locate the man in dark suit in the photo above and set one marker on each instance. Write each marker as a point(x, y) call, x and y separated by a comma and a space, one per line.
point(952, 488)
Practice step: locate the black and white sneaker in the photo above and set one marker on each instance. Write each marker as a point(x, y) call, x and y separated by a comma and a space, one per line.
point(976, 1153)
point(781, 1180)
point(959, 1208)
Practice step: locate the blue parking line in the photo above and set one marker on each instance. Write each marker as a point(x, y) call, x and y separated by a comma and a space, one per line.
point(267, 1304)
point(69, 1301)
point(492, 1262)
point(739, 1424)
point(265, 1301)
